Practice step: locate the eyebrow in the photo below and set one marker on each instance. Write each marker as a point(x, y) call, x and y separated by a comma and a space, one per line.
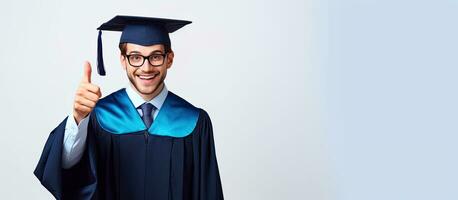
point(153, 52)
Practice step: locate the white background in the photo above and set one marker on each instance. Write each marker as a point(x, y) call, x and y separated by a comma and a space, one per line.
point(309, 99)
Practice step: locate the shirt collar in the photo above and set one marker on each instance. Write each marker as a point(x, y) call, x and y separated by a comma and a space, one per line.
point(137, 100)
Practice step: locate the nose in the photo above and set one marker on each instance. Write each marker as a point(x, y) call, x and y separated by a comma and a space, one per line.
point(146, 67)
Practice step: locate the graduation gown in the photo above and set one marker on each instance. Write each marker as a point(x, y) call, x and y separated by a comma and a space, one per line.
point(172, 160)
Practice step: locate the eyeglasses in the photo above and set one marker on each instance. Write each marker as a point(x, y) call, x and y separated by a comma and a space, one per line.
point(137, 60)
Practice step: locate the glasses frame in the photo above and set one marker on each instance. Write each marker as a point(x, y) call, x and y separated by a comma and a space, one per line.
point(146, 58)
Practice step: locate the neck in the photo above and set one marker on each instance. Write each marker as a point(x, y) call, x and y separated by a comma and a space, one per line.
point(148, 97)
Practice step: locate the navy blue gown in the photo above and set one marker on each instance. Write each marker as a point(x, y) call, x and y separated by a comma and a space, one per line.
point(172, 160)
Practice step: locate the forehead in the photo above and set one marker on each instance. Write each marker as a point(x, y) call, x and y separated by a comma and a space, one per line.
point(144, 49)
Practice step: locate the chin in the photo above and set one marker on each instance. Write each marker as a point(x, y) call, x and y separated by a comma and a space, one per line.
point(147, 91)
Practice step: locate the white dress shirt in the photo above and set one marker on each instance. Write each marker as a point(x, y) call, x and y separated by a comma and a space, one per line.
point(75, 135)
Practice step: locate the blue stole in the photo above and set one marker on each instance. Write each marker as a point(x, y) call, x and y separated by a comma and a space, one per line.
point(116, 114)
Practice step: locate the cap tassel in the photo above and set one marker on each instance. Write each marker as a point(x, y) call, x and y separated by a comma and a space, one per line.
point(100, 66)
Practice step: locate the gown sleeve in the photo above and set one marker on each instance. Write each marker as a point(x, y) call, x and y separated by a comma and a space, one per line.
point(206, 178)
point(78, 182)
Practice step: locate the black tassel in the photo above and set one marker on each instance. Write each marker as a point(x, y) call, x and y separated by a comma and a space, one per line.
point(100, 66)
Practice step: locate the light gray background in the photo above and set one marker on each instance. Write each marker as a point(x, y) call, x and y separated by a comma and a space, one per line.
point(246, 63)
point(309, 99)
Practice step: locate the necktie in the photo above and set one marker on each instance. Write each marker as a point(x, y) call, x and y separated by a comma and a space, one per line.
point(147, 109)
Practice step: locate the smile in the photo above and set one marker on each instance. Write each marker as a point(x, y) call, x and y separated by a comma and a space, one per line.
point(147, 77)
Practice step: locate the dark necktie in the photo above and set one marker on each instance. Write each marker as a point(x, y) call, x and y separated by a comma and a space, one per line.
point(147, 109)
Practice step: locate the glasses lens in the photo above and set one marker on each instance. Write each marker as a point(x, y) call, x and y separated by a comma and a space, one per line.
point(136, 60)
point(156, 59)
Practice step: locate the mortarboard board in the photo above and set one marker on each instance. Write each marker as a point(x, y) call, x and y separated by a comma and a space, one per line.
point(143, 31)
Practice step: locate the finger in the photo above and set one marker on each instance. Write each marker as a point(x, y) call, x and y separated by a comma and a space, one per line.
point(87, 72)
point(88, 95)
point(91, 88)
point(82, 109)
point(85, 102)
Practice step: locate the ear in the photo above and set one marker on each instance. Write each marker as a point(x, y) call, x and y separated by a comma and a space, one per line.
point(170, 59)
point(123, 60)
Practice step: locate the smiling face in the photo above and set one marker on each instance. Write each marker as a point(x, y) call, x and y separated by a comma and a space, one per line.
point(147, 80)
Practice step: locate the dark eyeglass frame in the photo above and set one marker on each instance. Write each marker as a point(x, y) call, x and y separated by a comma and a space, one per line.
point(146, 58)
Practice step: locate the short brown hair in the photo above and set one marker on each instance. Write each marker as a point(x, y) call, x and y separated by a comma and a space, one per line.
point(123, 48)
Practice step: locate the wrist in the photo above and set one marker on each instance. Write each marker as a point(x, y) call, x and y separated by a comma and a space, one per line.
point(77, 117)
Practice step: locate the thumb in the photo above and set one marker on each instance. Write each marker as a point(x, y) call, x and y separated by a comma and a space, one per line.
point(87, 72)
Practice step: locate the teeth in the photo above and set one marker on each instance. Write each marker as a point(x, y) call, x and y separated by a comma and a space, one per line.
point(147, 77)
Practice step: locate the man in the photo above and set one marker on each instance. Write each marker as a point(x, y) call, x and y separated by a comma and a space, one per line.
point(142, 142)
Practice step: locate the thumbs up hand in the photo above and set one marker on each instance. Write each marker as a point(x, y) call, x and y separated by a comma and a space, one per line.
point(86, 96)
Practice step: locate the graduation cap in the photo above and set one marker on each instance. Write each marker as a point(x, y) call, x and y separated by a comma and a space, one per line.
point(143, 31)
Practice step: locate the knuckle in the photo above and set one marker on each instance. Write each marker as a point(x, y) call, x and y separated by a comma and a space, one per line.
point(86, 110)
point(79, 92)
point(87, 95)
point(92, 104)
